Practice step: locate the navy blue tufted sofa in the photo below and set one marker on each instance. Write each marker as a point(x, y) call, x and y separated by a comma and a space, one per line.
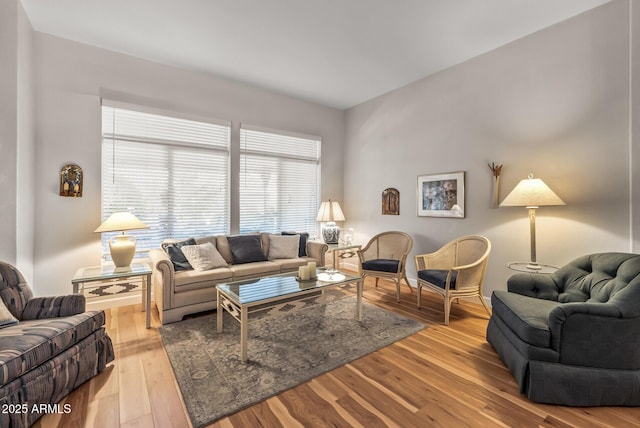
point(573, 337)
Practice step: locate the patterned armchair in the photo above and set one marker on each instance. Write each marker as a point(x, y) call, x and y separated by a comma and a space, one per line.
point(48, 347)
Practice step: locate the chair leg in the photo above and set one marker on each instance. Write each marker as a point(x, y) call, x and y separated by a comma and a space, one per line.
point(397, 290)
point(447, 310)
point(419, 294)
point(377, 281)
point(408, 285)
point(486, 308)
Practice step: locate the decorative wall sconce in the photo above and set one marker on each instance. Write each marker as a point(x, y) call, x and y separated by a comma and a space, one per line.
point(390, 201)
point(71, 181)
point(496, 169)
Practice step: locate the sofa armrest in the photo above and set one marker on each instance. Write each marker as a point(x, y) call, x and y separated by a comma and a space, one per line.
point(163, 277)
point(540, 286)
point(53, 307)
point(595, 335)
point(317, 250)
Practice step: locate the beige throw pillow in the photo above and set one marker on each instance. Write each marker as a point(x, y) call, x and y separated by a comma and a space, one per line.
point(283, 247)
point(203, 257)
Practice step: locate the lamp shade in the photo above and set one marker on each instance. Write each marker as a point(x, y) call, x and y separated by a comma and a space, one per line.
point(330, 211)
point(531, 192)
point(121, 221)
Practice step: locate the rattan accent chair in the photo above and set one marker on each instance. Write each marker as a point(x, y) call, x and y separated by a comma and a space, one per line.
point(455, 270)
point(385, 256)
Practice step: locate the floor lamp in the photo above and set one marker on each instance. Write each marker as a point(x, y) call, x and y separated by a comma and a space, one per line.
point(532, 193)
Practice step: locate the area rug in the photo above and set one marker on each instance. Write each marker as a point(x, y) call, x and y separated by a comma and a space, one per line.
point(284, 350)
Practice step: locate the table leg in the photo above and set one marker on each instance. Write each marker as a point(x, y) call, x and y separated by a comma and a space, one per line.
point(243, 334)
point(219, 312)
point(148, 303)
point(360, 288)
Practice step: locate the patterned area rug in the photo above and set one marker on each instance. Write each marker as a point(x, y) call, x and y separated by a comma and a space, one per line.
point(284, 350)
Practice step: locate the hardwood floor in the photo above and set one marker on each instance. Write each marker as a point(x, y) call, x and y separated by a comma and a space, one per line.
point(440, 377)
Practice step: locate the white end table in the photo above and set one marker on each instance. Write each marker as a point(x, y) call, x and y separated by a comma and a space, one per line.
point(99, 274)
point(342, 251)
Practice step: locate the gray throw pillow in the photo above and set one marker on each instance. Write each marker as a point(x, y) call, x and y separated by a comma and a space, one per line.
point(203, 257)
point(302, 247)
point(173, 250)
point(283, 247)
point(246, 249)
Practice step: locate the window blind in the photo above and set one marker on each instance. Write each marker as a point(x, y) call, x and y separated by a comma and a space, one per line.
point(279, 181)
point(172, 173)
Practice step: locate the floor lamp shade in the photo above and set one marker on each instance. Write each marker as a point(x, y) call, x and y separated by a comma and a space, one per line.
point(330, 212)
point(532, 193)
point(122, 247)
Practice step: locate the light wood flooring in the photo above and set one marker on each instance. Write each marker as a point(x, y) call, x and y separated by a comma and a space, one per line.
point(440, 377)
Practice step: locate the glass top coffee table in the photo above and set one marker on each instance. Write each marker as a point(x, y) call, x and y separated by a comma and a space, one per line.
point(240, 297)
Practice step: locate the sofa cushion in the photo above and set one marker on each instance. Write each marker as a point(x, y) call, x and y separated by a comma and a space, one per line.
point(381, 265)
point(292, 264)
point(173, 250)
point(6, 317)
point(302, 247)
point(283, 247)
point(200, 279)
point(438, 277)
point(246, 249)
point(27, 345)
point(203, 256)
point(527, 317)
point(244, 270)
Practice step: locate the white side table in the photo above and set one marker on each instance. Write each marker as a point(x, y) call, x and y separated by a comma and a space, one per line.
point(342, 251)
point(98, 275)
point(524, 267)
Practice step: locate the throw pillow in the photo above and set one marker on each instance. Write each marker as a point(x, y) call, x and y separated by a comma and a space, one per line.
point(6, 317)
point(203, 257)
point(302, 248)
point(173, 250)
point(283, 247)
point(246, 249)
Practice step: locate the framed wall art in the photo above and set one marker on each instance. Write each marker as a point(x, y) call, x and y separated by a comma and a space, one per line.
point(441, 195)
point(71, 181)
point(390, 201)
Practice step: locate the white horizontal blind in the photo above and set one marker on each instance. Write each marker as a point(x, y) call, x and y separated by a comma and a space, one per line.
point(279, 181)
point(172, 173)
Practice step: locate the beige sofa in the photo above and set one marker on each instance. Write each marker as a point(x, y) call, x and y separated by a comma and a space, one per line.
point(178, 293)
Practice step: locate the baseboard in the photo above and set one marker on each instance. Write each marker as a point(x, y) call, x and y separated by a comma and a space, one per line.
point(95, 304)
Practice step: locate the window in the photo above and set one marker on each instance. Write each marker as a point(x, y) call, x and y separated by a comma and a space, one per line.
point(279, 181)
point(172, 173)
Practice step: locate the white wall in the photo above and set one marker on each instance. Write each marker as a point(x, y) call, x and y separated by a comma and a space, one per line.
point(8, 127)
point(16, 138)
point(70, 80)
point(554, 103)
point(25, 151)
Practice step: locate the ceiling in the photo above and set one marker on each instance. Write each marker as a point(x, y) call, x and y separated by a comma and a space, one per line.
point(337, 53)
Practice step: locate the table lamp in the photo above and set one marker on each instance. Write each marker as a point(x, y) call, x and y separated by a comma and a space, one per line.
point(532, 193)
point(122, 247)
point(330, 212)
